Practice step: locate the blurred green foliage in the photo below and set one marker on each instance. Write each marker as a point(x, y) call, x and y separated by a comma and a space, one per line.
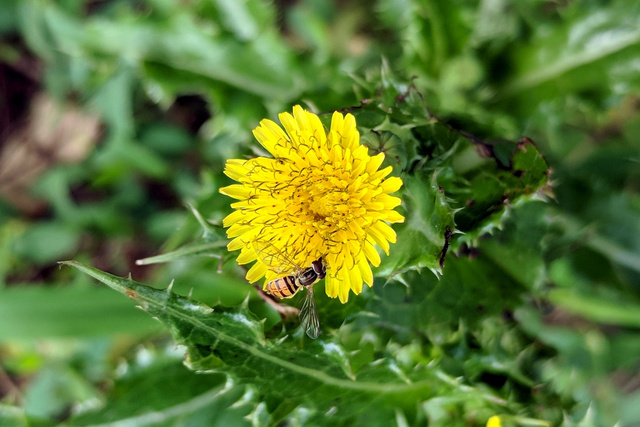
point(512, 123)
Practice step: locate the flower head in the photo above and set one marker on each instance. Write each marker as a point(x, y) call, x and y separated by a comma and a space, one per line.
point(320, 196)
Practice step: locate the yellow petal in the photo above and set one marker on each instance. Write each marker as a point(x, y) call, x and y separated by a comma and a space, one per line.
point(379, 239)
point(336, 127)
point(238, 230)
point(349, 133)
point(256, 272)
point(331, 286)
point(371, 253)
point(381, 173)
point(391, 184)
point(386, 231)
point(235, 216)
point(265, 137)
point(389, 202)
point(356, 280)
point(301, 117)
point(235, 169)
point(291, 126)
point(344, 285)
point(391, 216)
point(237, 191)
point(246, 256)
point(375, 163)
point(281, 142)
point(237, 243)
point(365, 270)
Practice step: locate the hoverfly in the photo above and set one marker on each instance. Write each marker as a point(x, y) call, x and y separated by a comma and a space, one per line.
point(292, 279)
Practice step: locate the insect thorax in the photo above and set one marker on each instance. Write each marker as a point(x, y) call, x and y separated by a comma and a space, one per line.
point(312, 274)
point(308, 277)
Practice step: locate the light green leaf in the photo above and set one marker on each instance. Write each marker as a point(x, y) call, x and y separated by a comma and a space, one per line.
point(578, 53)
point(30, 312)
point(12, 416)
point(46, 242)
point(186, 46)
point(192, 250)
point(211, 244)
point(53, 389)
point(597, 308)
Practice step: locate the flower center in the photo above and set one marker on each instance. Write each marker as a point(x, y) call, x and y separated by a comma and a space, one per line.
point(323, 206)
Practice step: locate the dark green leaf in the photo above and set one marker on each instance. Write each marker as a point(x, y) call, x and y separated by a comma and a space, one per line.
point(163, 392)
point(427, 229)
point(315, 376)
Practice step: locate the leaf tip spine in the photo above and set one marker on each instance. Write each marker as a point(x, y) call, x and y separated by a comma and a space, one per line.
point(245, 303)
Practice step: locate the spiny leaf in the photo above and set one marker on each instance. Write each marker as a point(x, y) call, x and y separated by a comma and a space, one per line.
point(212, 249)
point(141, 397)
point(514, 175)
point(288, 373)
point(423, 237)
point(210, 244)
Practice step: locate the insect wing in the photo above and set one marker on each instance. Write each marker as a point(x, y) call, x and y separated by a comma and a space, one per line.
point(275, 259)
point(309, 315)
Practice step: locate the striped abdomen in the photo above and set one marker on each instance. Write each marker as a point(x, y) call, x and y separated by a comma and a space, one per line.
point(283, 287)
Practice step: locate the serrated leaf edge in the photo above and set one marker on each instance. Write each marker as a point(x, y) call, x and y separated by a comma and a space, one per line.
point(128, 287)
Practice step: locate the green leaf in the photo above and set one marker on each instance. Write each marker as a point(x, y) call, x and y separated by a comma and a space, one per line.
point(581, 53)
point(52, 391)
point(46, 242)
point(161, 391)
point(630, 409)
point(243, 17)
point(514, 174)
point(211, 244)
point(426, 231)
point(183, 45)
point(8, 15)
point(31, 312)
point(597, 308)
point(289, 372)
point(470, 289)
point(12, 416)
point(192, 250)
point(517, 249)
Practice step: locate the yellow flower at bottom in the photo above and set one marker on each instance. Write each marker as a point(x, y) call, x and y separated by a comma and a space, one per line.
point(494, 421)
point(320, 196)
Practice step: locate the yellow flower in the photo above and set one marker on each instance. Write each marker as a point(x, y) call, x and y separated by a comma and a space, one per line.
point(321, 195)
point(494, 421)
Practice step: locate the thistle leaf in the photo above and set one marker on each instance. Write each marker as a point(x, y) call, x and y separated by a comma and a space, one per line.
point(292, 376)
point(423, 238)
